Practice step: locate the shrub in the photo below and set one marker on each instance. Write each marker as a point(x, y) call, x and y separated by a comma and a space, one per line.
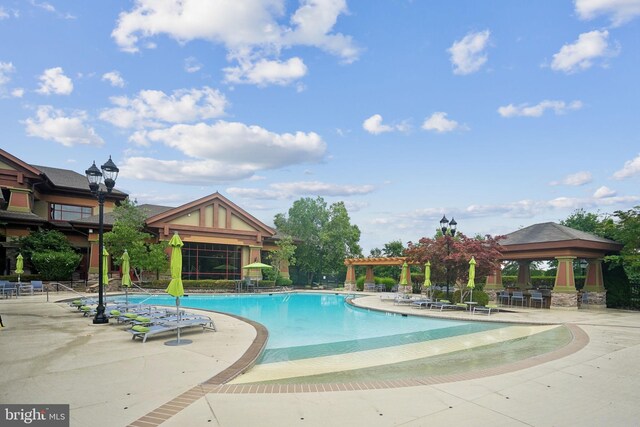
point(56, 265)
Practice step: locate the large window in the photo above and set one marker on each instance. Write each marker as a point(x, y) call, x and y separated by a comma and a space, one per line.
point(210, 261)
point(68, 212)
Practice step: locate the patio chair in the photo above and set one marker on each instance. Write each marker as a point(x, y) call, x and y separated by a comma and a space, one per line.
point(503, 296)
point(536, 297)
point(37, 286)
point(7, 289)
point(517, 296)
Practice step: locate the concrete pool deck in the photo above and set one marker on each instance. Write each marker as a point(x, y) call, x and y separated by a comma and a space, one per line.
point(50, 354)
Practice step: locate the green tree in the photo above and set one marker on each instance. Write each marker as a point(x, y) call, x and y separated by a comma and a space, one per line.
point(584, 221)
point(449, 257)
point(624, 227)
point(50, 253)
point(326, 234)
point(128, 234)
point(395, 248)
point(285, 253)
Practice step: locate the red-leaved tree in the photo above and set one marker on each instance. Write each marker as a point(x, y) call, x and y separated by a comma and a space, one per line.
point(449, 257)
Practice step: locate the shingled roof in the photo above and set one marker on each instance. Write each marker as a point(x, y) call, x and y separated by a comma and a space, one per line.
point(549, 232)
point(66, 178)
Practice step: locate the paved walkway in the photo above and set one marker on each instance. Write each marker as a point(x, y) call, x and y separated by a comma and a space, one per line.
point(50, 354)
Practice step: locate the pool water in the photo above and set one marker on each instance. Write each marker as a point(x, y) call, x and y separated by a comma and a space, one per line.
point(312, 325)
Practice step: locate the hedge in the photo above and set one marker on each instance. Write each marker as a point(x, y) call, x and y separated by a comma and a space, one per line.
point(541, 282)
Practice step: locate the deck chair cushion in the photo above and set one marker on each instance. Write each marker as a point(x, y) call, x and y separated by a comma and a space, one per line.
point(140, 328)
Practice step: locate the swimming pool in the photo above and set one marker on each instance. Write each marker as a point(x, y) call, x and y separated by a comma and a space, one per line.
point(314, 337)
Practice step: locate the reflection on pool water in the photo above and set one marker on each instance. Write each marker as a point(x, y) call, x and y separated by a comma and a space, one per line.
point(317, 335)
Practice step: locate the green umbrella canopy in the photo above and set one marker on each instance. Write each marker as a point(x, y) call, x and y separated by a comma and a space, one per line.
point(472, 273)
point(126, 277)
point(403, 276)
point(427, 274)
point(105, 266)
point(19, 264)
point(257, 265)
point(175, 287)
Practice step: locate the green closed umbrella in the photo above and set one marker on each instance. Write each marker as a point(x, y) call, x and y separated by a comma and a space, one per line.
point(472, 277)
point(404, 274)
point(126, 277)
point(427, 275)
point(105, 266)
point(19, 266)
point(175, 287)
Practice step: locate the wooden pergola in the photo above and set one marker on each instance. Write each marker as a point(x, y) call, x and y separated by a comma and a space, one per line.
point(369, 263)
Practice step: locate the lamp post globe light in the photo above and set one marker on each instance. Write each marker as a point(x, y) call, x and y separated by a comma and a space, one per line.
point(448, 227)
point(107, 174)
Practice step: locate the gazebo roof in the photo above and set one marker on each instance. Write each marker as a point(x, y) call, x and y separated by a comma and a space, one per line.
point(549, 232)
point(548, 240)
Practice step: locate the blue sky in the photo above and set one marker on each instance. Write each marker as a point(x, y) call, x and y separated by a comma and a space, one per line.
point(500, 113)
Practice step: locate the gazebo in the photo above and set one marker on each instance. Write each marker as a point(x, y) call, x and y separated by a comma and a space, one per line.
point(549, 241)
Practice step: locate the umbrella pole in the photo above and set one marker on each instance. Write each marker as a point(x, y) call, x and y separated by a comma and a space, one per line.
point(178, 314)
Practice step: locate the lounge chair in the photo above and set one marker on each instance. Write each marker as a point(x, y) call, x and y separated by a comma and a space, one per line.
point(422, 303)
point(144, 332)
point(403, 299)
point(388, 296)
point(485, 309)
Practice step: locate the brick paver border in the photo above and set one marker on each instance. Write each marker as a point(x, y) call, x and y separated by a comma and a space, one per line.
point(218, 384)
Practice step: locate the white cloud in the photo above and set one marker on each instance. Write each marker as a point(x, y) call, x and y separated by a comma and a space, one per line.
point(577, 179)
point(225, 151)
point(152, 108)
point(6, 68)
point(468, 55)
point(53, 81)
point(114, 78)
point(620, 11)
point(289, 190)
point(374, 125)
point(17, 92)
point(583, 52)
point(630, 168)
point(54, 125)
point(438, 122)
point(266, 72)
point(192, 65)
point(3, 13)
point(604, 192)
point(249, 37)
point(525, 110)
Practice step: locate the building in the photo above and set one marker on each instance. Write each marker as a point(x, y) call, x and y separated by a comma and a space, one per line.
point(219, 237)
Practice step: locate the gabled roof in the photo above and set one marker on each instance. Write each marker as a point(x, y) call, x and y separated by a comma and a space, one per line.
point(549, 232)
point(180, 210)
point(19, 163)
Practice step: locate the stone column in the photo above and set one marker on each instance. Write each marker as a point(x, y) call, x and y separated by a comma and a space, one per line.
point(596, 294)
point(524, 274)
point(564, 292)
point(493, 284)
point(369, 278)
point(350, 280)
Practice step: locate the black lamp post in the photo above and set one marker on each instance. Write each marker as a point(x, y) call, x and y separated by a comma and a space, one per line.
point(95, 177)
point(449, 227)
